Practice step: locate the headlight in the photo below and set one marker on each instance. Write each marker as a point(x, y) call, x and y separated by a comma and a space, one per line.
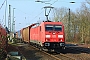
point(60, 36)
point(47, 36)
point(47, 44)
point(62, 44)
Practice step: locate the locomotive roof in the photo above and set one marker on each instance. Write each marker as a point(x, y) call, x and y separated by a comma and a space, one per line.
point(52, 23)
point(44, 22)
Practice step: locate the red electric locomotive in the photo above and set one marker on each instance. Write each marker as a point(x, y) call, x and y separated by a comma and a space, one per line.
point(48, 35)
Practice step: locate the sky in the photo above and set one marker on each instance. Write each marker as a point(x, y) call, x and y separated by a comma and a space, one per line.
point(27, 12)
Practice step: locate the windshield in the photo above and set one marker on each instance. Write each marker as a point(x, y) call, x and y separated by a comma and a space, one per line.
point(53, 27)
point(49, 27)
point(58, 28)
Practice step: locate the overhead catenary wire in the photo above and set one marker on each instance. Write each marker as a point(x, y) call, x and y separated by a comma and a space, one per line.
point(28, 14)
point(48, 7)
point(2, 4)
point(54, 2)
point(25, 12)
point(37, 15)
point(64, 1)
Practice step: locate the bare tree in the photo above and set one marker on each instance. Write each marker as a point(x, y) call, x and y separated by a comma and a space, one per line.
point(77, 24)
point(84, 20)
point(88, 1)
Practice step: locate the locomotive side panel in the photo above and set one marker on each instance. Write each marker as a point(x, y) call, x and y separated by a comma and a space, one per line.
point(34, 35)
point(42, 34)
point(37, 35)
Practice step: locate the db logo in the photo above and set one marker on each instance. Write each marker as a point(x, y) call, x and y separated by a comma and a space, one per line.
point(54, 36)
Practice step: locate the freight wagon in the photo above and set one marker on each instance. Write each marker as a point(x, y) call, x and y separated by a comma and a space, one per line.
point(25, 32)
point(26, 35)
point(18, 35)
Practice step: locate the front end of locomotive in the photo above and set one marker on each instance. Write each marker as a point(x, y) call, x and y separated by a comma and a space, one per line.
point(54, 36)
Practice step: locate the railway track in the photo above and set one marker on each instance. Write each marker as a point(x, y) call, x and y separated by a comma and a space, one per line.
point(63, 57)
point(80, 53)
point(57, 56)
point(71, 53)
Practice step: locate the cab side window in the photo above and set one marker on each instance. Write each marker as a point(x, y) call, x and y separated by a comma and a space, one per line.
point(40, 28)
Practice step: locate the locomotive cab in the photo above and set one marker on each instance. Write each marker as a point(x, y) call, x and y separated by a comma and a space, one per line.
point(54, 35)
